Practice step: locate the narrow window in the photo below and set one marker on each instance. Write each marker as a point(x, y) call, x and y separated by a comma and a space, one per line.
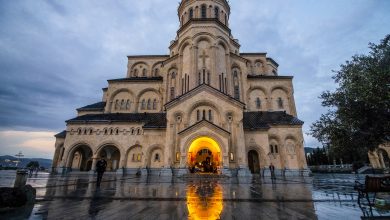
point(191, 14)
point(276, 149)
point(204, 76)
point(216, 12)
point(271, 149)
point(123, 104)
point(208, 78)
point(204, 115)
point(280, 102)
point(204, 11)
point(210, 115)
point(128, 104)
point(149, 106)
point(199, 79)
point(157, 157)
point(258, 103)
point(116, 104)
point(143, 103)
point(144, 72)
point(236, 86)
point(197, 115)
point(135, 73)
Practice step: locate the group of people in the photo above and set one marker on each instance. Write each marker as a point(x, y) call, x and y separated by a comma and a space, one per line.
point(206, 166)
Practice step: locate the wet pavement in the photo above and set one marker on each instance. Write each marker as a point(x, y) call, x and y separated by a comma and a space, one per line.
point(130, 197)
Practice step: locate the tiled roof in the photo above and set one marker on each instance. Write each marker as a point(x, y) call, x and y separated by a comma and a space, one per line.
point(151, 120)
point(268, 77)
point(137, 79)
point(96, 106)
point(62, 134)
point(263, 120)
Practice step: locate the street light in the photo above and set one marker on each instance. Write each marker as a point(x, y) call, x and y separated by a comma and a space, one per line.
point(19, 155)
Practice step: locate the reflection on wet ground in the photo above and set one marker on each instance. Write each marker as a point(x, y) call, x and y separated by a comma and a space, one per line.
point(153, 197)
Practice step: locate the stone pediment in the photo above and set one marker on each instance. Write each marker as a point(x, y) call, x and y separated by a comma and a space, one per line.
point(201, 125)
point(210, 91)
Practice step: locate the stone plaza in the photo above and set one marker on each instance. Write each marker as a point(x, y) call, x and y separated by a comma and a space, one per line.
point(75, 196)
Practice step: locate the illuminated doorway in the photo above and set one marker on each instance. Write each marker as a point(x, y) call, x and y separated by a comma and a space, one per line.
point(204, 156)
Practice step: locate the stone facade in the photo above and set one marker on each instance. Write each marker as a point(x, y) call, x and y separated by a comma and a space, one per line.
point(205, 99)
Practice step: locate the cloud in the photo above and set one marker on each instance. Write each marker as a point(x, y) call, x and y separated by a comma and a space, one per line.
point(32, 144)
point(55, 56)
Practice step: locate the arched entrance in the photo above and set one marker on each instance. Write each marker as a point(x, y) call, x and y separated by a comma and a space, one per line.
point(253, 161)
point(112, 156)
point(204, 155)
point(81, 158)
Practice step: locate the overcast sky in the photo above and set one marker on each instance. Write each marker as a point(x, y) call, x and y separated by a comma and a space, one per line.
point(55, 56)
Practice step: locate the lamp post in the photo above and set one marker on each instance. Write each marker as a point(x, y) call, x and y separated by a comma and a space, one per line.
point(19, 155)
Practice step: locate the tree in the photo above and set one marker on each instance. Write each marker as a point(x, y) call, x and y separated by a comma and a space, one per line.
point(358, 118)
point(33, 164)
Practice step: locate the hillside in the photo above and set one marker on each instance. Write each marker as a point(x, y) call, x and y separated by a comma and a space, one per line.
point(9, 161)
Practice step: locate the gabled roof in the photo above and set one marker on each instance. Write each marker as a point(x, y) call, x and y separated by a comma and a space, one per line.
point(93, 107)
point(62, 134)
point(151, 120)
point(263, 120)
point(200, 88)
point(202, 123)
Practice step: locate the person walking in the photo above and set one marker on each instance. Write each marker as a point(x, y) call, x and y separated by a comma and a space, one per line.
point(272, 169)
point(100, 169)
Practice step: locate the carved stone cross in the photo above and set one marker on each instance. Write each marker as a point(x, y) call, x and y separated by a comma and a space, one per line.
point(204, 56)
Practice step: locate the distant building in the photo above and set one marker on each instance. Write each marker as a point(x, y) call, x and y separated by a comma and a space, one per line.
point(204, 107)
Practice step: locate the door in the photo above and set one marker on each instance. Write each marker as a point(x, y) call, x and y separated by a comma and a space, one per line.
point(253, 161)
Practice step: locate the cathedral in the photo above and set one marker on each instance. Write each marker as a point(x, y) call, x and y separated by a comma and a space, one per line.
point(206, 107)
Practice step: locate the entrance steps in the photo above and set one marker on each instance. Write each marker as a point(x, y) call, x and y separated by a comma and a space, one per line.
point(204, 176)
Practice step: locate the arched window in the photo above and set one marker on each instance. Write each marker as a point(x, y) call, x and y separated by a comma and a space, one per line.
point(138, 131)
point(236, 86)
point(105, 131)
point(216, 12)
point(204, 114)
point(149, 104)
point(280, 102)
point(144, 72)
point(154, 104)
point(191, 14)
point(132, 131)
point(204, 11)
point(271, 148)
point(276, 149)
point(198, 115)
point(127, 104)
point(210, 115)
point(117, 106)
point(143, 103)
point(258, 103)
point(156, 72)
point(123, 104)
point(117, 131)
point(199, 79)
point(157, 157)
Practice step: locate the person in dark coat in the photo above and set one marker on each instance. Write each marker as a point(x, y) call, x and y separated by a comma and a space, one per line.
point(272, 169)
point(100, 169)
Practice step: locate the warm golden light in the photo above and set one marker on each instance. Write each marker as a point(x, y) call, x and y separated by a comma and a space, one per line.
point(204, 143)
point(204, 202)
